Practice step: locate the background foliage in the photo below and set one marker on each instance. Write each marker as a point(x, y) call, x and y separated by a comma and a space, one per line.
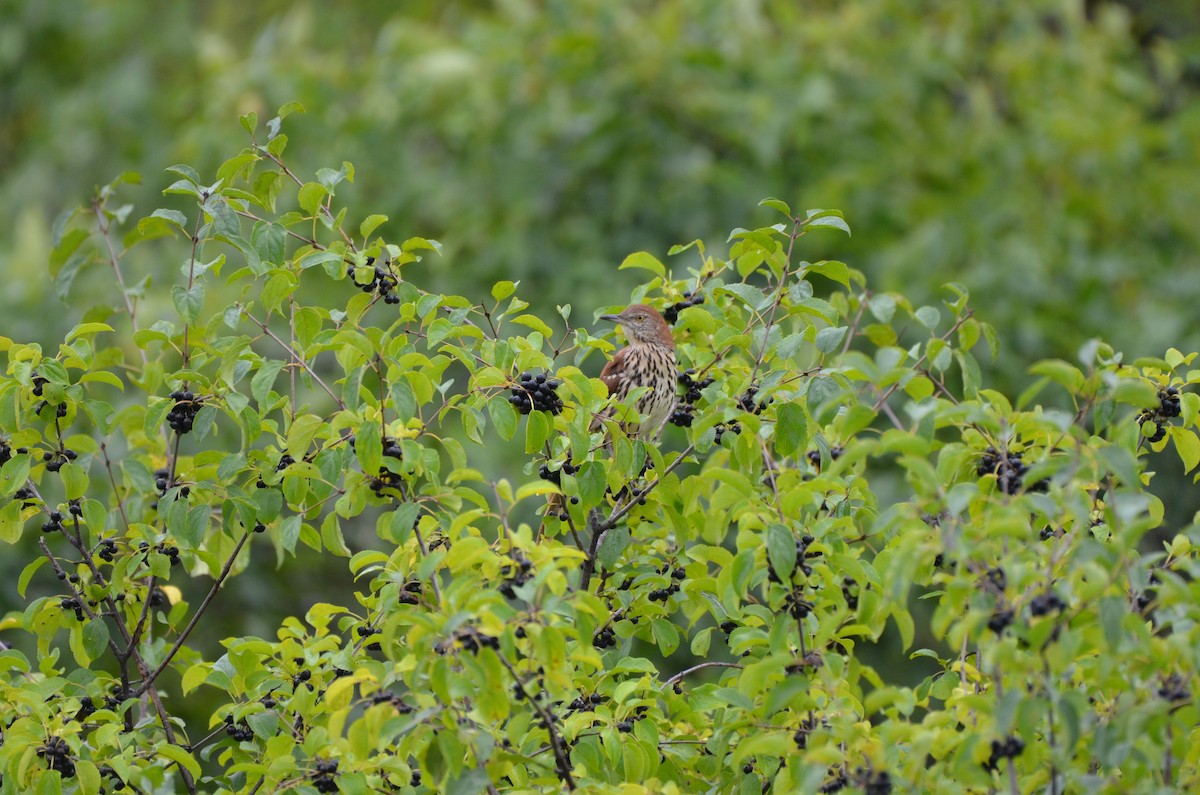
point(1043, 153)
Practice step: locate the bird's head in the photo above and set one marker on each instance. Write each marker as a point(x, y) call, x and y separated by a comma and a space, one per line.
point(643, 324)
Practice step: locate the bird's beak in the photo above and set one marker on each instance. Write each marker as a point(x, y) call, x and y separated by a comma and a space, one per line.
point(613, 318)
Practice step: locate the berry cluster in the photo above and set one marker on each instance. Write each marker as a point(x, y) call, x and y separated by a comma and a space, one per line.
point(325, 779)
point(170, 550)
point(663, 594)
point(691, 387)
point(72, 603)
point(639, 712)
point(183, 413)
point(56, 458)
point(682, 415)
point(1045, 603)
point(606, 638)
point(1008, 748)
point(6, 451)
point(536, 392)
point(382, 281)
point(685, 409)
point(368, 632)
point(472, 640)
point(555, 475)
point(836, 783)
point(239, 731)
point(1174, 688)
point(874, 782)
point(1009, 470)
point(584, 703)
point(850, 591)
point(746, 401)
point(1168, 409)
point(38, 384)
point(733, 427)
point(814, 456)
point(410, 593)
point(86, 708)
point(386, 477)
point(807, 727)
point(671, 313)
point(1000, 619)
point(60, 409)
point(285, 461)
point(516, 575)
point(58, 754)
point(54, 523)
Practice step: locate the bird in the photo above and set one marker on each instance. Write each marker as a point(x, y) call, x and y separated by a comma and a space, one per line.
point(647, 360)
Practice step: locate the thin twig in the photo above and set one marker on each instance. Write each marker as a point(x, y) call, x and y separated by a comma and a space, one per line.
point(688, 672)
point(183, 636)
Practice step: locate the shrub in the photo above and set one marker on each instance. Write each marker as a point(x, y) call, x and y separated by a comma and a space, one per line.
point(707, 616)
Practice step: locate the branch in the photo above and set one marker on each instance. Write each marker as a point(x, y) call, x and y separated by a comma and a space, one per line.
point(183, 636)
point(670, 682)
point(561, 762)
point(295, 357)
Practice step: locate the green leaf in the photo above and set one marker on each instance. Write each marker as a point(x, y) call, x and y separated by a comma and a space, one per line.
point(268, 241)
point(537, 431)
point(368, 446)
point(263, 380)
point(188, 303)
point(468, 782)
point(666, 636)
point(644, 260)
point(504, 417)
point(10, 522)
point(611, 546)
point(832, 270)
point(791, 429)
point(830, 339)
point(776, 204)
point(225, 221)
point(74, 479)
point(402, 521)
point(370, 224)
point(179, 756)
point(301, 434)
point(592, 481)
point(87, 329)
point(781, 550)
point(827, 218)
point(310, 196)
point(1187, 445)
point(928, 316)
point(315, 258)
point(502, 290)
point(13, 474)
point(95, 638)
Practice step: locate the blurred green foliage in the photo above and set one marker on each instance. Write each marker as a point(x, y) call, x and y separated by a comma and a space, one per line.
point(1043, 153)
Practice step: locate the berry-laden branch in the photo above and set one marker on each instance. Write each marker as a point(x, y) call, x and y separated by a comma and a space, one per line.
point(561, 761)
point(200, 611)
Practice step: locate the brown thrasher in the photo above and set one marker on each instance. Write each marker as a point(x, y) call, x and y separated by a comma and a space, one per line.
point(648, 360)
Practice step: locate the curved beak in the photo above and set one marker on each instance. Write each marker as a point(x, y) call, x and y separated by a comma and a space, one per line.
point(613, 318)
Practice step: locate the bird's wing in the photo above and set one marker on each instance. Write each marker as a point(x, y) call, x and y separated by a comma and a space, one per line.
point(614, 373)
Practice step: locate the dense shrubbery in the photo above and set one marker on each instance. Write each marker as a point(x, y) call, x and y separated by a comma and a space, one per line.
point(712, 641)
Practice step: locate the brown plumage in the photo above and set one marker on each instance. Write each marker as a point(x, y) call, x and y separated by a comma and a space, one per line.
point(647, 360)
